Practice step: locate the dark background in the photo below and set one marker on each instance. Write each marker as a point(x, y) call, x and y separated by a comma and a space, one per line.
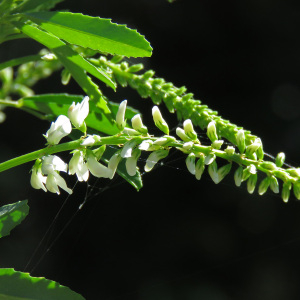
point(178, 238)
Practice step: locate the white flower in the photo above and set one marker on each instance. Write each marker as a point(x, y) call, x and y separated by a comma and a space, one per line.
point(154, 157)
point(52, 163)
point(54, 180)
point(58, 129)
point(145, 145)
point(138, 125)
point(91, 140)
point(37, 179)
point(77, 113)
point(78, 166)
point(127, 148)
point(120, 117)
point(132, 161)
point(212, 131)
point(113, 164)
point(160, 123)
point(96, 168)
point(189, 129)
point(191, 163)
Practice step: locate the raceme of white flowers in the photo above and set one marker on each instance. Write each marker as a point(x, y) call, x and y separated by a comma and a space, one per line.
point(86, 159)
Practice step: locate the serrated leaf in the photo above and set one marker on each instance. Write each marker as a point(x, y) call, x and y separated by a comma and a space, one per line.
point(12, 215)
point(75, 63)
point(16, 285)
point(93, 32)
point(58, 104)
point(36, 5)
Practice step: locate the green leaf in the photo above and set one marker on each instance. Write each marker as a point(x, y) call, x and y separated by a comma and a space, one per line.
point(58, 104)
point(16, 285)
point(36, 5)
point(12, 215)
point(75, 63)
point(93, 32)
point(18, 61)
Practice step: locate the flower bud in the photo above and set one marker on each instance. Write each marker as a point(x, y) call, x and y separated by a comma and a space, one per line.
point(217, 144)
point(200, 166)
point(229, 150)
point(238, 176)
point(49, 57)
point(113, 163)
point(37, 179)
point(191, 163)
point(78, 166)
point(188, 146)
point(65, 76)
point(296, 189)
point(77, 113)
point(160, 123)
point(217, 175)
point(252, 148)
point(91, 140)
point(138, 125)
point(120, 117)
point(251, 183)
point(260, 152)
point(181, 134)
point(248, 171)
point(264, 185)
point(58, 129)
point(240, 140)
point(268, 165)
point(154, 157)
point(280, 159)
point(209, 158)
point(212, 131)
point(189, 129)
point(53, 181)
point(274, 186)
point(285, 193)
point(145, 145)
point(127, 149)
point(131, 162)
point(130, 132)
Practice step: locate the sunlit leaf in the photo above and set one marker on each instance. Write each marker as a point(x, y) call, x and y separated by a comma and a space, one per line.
point(75, 63)
point(16, 285)
point(12, 215)
point(93, 32)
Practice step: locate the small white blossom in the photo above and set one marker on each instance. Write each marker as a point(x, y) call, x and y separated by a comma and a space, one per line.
point(145, 145)
point(189, 129)
point(78, 166)
point(54, 180)
point(90, 140)
point(160, 123)
point(138, 125)
point(131, 162)
point(52, 163)
point(37, 179)
point(212, 131)
point(127, 149)
point(120, 117)
point(113, 164)
point(96, 168)
point(77, 113)
point(58, 129)
point(154, 157)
